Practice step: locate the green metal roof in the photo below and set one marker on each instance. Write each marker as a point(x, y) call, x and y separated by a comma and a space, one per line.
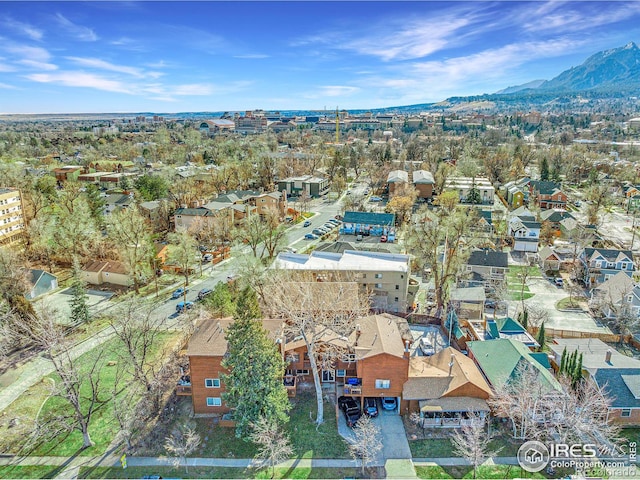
point(500, 358)
point(508, 324)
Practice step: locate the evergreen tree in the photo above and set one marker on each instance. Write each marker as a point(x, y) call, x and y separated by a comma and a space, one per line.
point(576, 375)
point(542, 340)
point(544, 169)
point(473, 196)
point(563, 361)
point(254, 386)
point(525, 319)
point(78, 302)
point(96, 204)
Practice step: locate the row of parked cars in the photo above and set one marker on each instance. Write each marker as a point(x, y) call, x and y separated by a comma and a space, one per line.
point(318, 232)
point(351, 407)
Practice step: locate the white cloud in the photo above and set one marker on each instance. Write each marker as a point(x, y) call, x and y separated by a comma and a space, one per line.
point(104, 65)
point(7, 86)
point(27, 52)
point(337, 90)
point(81, 32)
point(38, 65)
point(23, 28)
point(80, 79)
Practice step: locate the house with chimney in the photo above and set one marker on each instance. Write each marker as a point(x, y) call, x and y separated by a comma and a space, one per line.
point(525, 231)
point(489, 267)
point(547, 195)
point(617, 373)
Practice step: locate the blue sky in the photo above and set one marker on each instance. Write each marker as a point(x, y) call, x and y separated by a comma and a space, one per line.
point(70, 57)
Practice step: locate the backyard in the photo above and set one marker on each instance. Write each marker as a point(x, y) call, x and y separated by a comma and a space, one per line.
point(515, 276)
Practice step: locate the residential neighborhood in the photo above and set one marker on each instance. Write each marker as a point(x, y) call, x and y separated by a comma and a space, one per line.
point(441, 290)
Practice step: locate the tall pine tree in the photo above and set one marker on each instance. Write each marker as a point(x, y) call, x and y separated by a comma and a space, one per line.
point(542, 338)
point(78, 302)
point(544, 169)
point(254, 386)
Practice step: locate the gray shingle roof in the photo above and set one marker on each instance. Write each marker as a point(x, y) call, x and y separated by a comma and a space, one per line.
point(489, 258)
point(618, 387)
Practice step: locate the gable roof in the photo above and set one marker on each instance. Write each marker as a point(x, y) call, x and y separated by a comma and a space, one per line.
point(488, 258)
point(467, 294)
point(554, 215)
point(610, 255)
point(547, 252)
point(397, 176)
point(208, 338)
point(594, 353)
point(194, 212)
point(499, 360)
point(545, 187)
point(623, 385)
point(486, 215)
point(423, 177)
point(616, 287)
point(109, 266)
point(443, 374)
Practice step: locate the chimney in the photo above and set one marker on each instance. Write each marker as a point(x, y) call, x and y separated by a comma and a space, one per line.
point(406, 348)
point(607, 357)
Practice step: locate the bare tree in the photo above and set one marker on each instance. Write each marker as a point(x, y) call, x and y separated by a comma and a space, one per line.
point(367, 442)
point(131, 235)
point(440, 242)
point(275, 234)
point(273, 443)
point(472, 440)
point(252, 231)
point(79, 382)
point(182, 251)
point(138, 327)
point(180, 444)
point(322, 313)
point(537, 315)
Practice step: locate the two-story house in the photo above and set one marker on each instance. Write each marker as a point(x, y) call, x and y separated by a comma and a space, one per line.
point(489, 266)
point(525, 232)
point(546, 194)
point(311, 185)
point(616, 296)
point(423, 181)
point(373, 363)
point(206, 350)
point(555, 218)
point(600, 264)
point(465, 185)
point(395, 179)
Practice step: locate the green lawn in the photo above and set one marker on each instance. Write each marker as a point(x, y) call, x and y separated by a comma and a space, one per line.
point(215, 472)
point(29, 471)
point(307, 441)
point(443, 447)
point(631, 434)
point(515, 270)
point(488, 471)
point(37, 401)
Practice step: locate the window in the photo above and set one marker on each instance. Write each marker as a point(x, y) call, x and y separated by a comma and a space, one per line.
point(396, 299)
point(349, 357)
point(214, 401)
point(341, 372)
point(302, 372)
point(397, 287)
point(212, 382)
point(378, 285)
point(378, 275)
point(383, 383)
point(625, 412)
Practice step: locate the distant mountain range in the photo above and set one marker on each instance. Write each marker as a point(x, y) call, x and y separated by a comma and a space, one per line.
point(618, 67)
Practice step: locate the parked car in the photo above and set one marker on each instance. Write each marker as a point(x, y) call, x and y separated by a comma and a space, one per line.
point(389, 403)
point(426, 347)
point(558, 282)
point(348, 192)
point(306, 223)
point(181, 306)
point(375, 198)
point(351, 410)
point(383, 238)
point(203, 293)
point(233, 277)
point(334, 221)
point(207, 257)
point(290, 250)
point(317, 231)
point(310, 236)
point(359, 238)
point(371, 406)
point(179, 292)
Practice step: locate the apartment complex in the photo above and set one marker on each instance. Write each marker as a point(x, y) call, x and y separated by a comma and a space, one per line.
point(384, 275)
point(11, 216)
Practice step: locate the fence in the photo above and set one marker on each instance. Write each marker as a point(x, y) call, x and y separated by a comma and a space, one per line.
point(552, 332)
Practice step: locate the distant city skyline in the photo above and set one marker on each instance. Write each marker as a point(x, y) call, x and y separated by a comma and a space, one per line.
point(77, 57)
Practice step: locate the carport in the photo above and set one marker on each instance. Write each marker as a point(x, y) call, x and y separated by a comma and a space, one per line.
point(451, 412)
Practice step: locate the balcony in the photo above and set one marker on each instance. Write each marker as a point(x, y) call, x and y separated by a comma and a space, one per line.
point(353, 386)
point(184, 384)
point(184, 390)
point(290, 384)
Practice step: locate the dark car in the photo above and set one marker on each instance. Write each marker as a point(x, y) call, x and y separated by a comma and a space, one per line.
point(351, 410)
point(203, 293)
point(306, 223)
point(180, 307)
point(371, 406)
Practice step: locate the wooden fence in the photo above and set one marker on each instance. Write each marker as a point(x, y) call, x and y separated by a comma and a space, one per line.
point(552, 332)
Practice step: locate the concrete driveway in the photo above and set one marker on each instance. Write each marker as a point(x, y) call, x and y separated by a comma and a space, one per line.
point(546, 295)
point(59, 301)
